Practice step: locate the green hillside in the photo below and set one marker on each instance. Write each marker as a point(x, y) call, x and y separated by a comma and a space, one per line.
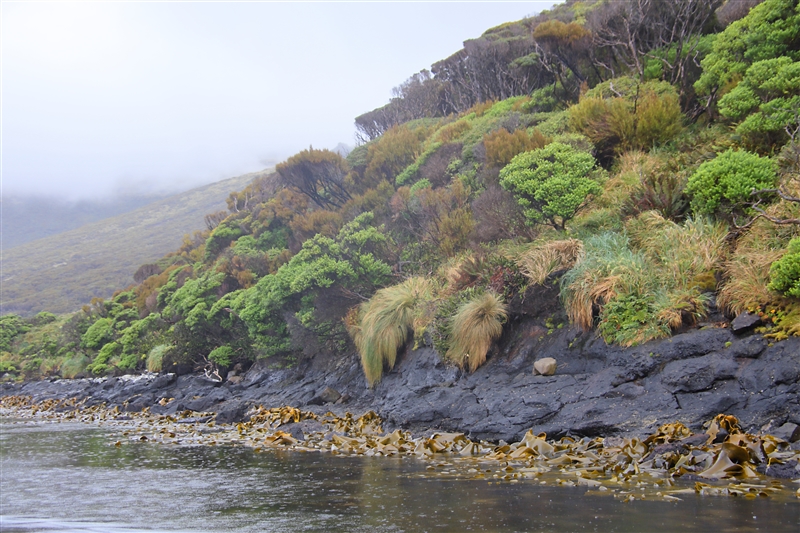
point(62, 272)
point(642, 158)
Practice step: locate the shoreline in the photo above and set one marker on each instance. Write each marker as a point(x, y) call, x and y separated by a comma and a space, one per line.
point(723, 461)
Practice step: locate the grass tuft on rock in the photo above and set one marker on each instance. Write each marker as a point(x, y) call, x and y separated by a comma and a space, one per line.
point(476, 324)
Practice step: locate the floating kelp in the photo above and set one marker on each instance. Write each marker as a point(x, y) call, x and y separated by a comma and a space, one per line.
point(726, 459)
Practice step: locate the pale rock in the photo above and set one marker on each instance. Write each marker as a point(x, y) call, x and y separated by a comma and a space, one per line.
point(545, 366)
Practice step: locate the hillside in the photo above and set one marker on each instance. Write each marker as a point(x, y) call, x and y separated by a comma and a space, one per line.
point(29, 218)
point(62, 272)
point(638, 160)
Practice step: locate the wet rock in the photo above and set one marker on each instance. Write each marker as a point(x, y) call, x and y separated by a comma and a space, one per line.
point(744, 322)
point(545, 366)
point(232, 412)
point(788, 432)
point(787, 470)
point(326, 395)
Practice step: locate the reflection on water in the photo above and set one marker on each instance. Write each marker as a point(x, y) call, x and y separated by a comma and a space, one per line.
point(70, 477)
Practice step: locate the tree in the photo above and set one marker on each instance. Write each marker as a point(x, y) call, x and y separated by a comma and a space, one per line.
point(551, 184)
point(319, 174)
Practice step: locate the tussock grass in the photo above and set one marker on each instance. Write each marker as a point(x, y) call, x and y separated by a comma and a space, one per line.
point(477, 323)
point(155, 359)
point(382, 325)
point(539, 262)
point(72, 366)
point(606, 268)
point(647, 282)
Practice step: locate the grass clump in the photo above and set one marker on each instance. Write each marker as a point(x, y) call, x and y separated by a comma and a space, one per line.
point(477, 323)
point(382, 325)
point(155, 358)
point(73, 366)
point(540, 261)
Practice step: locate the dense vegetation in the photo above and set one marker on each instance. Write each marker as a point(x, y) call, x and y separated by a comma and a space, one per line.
point(643, 155)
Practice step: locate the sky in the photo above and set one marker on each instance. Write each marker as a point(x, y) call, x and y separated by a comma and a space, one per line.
point(104, 98)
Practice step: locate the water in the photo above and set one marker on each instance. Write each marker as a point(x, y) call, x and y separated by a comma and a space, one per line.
point(65, 477)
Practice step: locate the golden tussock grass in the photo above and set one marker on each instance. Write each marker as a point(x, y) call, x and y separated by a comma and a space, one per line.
point(539, 262)
point(476, 324)
point(382, 325)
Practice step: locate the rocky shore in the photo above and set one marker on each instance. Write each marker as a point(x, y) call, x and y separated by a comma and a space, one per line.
point(597, 390)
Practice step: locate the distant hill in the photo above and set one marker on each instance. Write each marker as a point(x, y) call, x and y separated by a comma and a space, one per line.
point(28, 218)
point(61, 272)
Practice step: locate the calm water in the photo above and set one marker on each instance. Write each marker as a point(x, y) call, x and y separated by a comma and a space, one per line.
point(69, 477)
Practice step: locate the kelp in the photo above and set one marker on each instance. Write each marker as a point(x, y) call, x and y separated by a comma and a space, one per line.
point(664, 466)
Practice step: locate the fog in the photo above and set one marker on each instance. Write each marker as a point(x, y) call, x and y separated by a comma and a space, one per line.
point(121, 98)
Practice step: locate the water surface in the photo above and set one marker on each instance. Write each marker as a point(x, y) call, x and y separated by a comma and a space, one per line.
point(62, 476)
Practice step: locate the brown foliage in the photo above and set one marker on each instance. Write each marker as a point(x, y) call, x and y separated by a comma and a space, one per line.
point(499, 216)
point(392, 153)
point(501, 146)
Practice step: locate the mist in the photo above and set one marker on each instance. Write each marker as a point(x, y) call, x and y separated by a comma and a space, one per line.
point(102, 100)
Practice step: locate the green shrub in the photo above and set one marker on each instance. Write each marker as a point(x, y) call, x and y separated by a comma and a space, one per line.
point(222, 355)
point(632, 319)
point(10, 327)
point(98, 333)
point(552, 183)
point(724, 184)
point(100, 365)
point(784, 274)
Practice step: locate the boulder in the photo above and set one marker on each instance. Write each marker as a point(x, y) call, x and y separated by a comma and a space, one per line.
point(545, 366)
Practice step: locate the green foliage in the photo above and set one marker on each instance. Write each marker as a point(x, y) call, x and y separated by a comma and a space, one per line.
point(73, 365)
point(98, 333)
point(101, 363)
point(410, 172)
point(222, 356)
point(222, 237)
point(770, 30)
point(630, 320)
point(766, 101)
point(552, 183)
point(723, 185)
point(10, 327)
point(784, 273)
point(349, 260)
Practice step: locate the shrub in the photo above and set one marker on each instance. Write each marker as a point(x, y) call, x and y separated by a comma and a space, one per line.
point(631, 320)
point(552, 183)
point(725, 183)
point(222, 355)
point(501, 146)
point(100, 365)
point(98, 333)
point(384, 322)
point(476, 324)
point(784, 274)
point(640, 117)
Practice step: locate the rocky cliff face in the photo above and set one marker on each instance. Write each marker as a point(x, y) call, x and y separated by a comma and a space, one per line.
point(597, 389)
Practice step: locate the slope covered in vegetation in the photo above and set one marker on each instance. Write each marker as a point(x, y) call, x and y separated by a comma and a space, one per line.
point(642, 155)
point(61, 272)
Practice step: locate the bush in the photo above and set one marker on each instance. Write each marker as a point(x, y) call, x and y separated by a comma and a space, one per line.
point(631, 320)
point(100, 365)
point(552, 183)
point(476, 324)
point(644, 115)
point(501, 146)
point(73, 365)
point(724, 184)
point(98, 333)
point(222, 356)
point(784, 274)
